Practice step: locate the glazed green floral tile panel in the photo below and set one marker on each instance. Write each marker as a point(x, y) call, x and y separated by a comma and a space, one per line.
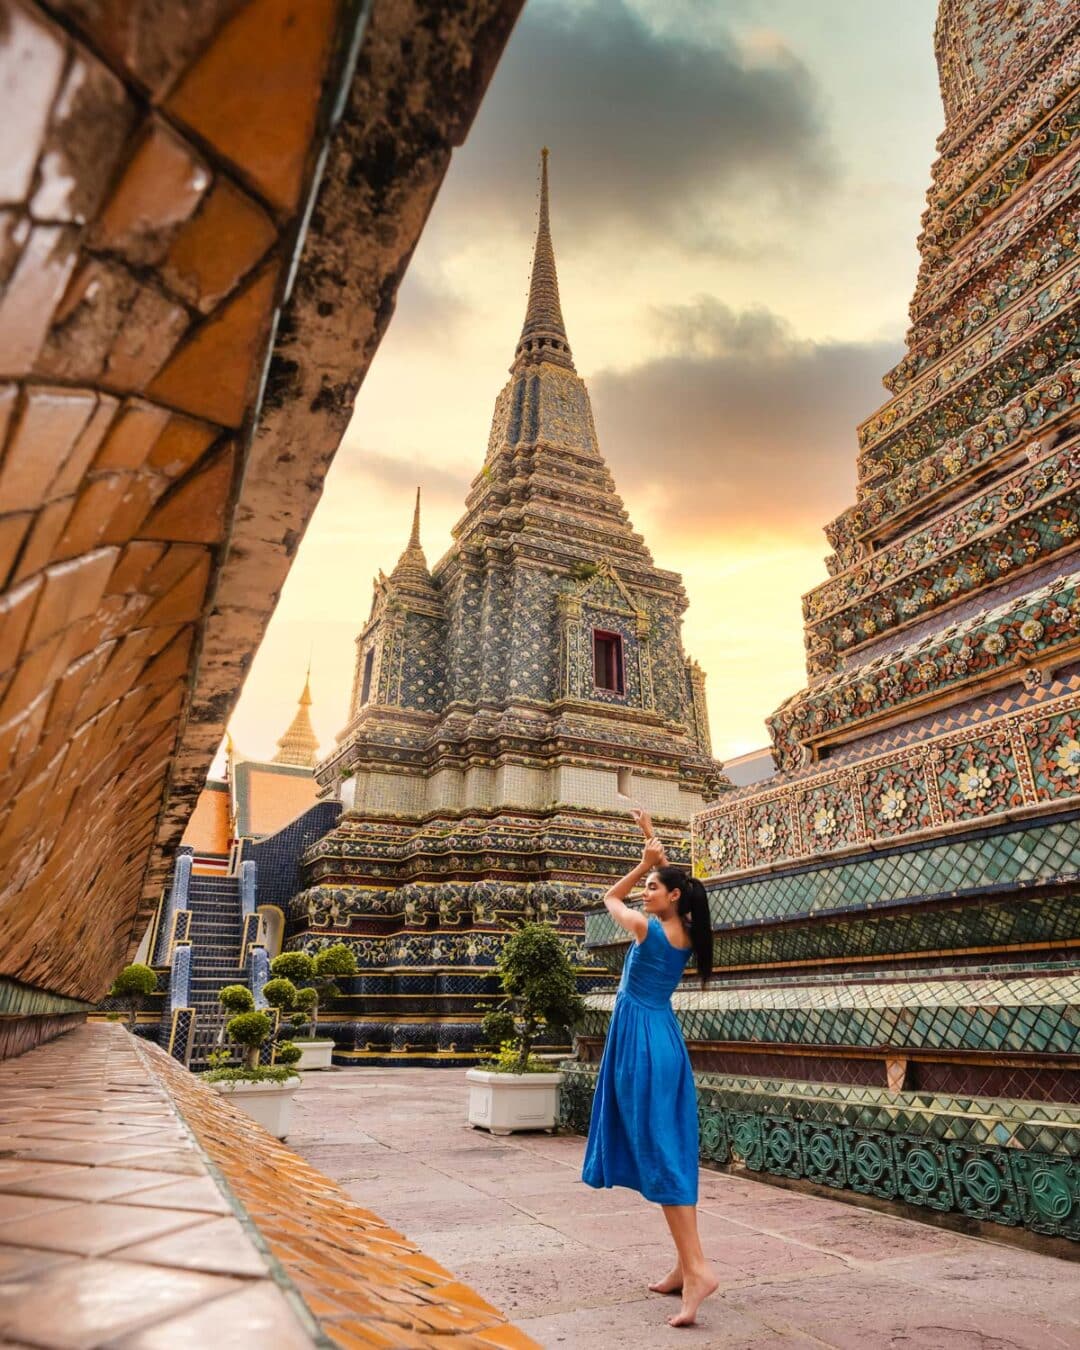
point(1043, 853)
point(1023, 919)
point(1008, 1162)
point(1036, 1015)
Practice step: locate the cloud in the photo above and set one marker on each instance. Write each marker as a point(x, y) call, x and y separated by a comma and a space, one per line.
point(427, 311)
point(739, 425)
point(650, 130)
point(439, 486)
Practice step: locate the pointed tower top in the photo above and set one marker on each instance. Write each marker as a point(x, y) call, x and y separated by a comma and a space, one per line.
point(411, 574)
point(412, 565)
point(543, 334)
point(300, 745)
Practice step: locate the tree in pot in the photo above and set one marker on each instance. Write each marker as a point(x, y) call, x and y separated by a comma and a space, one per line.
point(518, 1091)
point(540, 992)
point(265, 1094)
point(134, 983)
point(315, 976)
point(250, 1029)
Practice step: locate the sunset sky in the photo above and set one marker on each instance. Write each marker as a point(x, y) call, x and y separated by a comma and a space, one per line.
point(735, 195)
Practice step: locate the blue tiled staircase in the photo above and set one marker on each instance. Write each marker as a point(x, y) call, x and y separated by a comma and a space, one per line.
point(216, 936)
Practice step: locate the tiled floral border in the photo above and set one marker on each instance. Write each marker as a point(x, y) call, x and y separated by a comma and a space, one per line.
point(973, 775)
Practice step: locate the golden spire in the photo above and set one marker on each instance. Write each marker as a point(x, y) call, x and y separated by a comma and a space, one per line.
point(300, 745)
point(543, 334)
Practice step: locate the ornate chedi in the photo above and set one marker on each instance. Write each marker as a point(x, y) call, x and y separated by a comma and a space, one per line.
point(897, 917)
point(300, 745)
point(496, 699)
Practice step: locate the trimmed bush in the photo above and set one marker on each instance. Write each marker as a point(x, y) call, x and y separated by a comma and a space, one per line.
point(295, 966)
point(541, 994)
point(237, 998)
point(249, 1029)
point(133, 984)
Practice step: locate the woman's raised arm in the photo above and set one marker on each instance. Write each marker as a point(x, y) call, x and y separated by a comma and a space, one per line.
point(615, 901)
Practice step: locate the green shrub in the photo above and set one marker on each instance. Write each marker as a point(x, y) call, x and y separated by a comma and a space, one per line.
point(133, 984)
point(295, 966)
point(316, 974)
point(237, 998)
point(249, 1029)
point(498, 1026)
point(337, 959)
point(280, 993)
point(274, 1075)
point(540, 993)
point(287, 1053)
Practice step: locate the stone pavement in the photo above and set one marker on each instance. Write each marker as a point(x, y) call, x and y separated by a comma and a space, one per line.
point(569, 1265)
point(140, 1211)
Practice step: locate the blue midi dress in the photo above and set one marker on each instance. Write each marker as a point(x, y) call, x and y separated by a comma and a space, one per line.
point(644, 1127)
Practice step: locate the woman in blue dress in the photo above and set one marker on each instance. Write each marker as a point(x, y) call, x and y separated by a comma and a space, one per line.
point(644, 1127)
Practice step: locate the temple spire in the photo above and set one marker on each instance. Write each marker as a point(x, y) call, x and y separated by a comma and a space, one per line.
point(300, 745)
point(412, 565)
point(543, 334)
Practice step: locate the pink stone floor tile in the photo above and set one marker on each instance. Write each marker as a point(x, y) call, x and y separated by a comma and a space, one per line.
point(196, 1193)
point(89, 1183)
point(81, 1304)
point(217, 1245)
point(93, 1229)
point(868, 1236)
point(20, 1262)
point(642, 1325)
point(27, 1207)
point(862, 1309)
point(259, 1316)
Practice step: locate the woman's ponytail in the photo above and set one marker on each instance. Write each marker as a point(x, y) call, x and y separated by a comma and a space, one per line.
point(694, 907)
point(694, 902)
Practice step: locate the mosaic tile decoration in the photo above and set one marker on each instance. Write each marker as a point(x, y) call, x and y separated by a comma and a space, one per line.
point(1026, 920)
point(954, 773)
point(1002, 1161)
point(1039, 1014)
point(1014, 856)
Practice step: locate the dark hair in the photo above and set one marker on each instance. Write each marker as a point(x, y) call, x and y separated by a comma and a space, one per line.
point(693, 906)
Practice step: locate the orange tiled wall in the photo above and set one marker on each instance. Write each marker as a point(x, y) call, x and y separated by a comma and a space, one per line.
point(161, 156)
point(157, 167)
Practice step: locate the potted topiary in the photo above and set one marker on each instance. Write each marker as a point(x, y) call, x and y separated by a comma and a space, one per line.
point(133, 984)
point(265, 1093)
point(295, 1005)
point(516, 1090)
point(314, 976)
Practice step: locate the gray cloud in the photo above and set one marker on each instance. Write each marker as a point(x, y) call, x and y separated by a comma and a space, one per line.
point(437, 485)
point(649, 130)
point(741, 423)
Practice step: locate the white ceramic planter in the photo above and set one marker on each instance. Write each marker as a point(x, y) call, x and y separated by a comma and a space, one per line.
point(504, 1102)
point(270, 1104)
point(314, 1054)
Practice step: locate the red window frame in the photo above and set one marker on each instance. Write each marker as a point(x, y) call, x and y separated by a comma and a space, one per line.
point(608, 667)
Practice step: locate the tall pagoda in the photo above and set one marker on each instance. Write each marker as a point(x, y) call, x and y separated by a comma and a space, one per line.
point(897, 912)
point(497, 697)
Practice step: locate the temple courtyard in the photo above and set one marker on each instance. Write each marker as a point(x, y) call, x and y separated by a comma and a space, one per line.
point(569, 1266)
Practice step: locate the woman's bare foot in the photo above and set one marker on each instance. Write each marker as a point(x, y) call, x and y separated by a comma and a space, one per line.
point(696, 1289)
point(670, 1284)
